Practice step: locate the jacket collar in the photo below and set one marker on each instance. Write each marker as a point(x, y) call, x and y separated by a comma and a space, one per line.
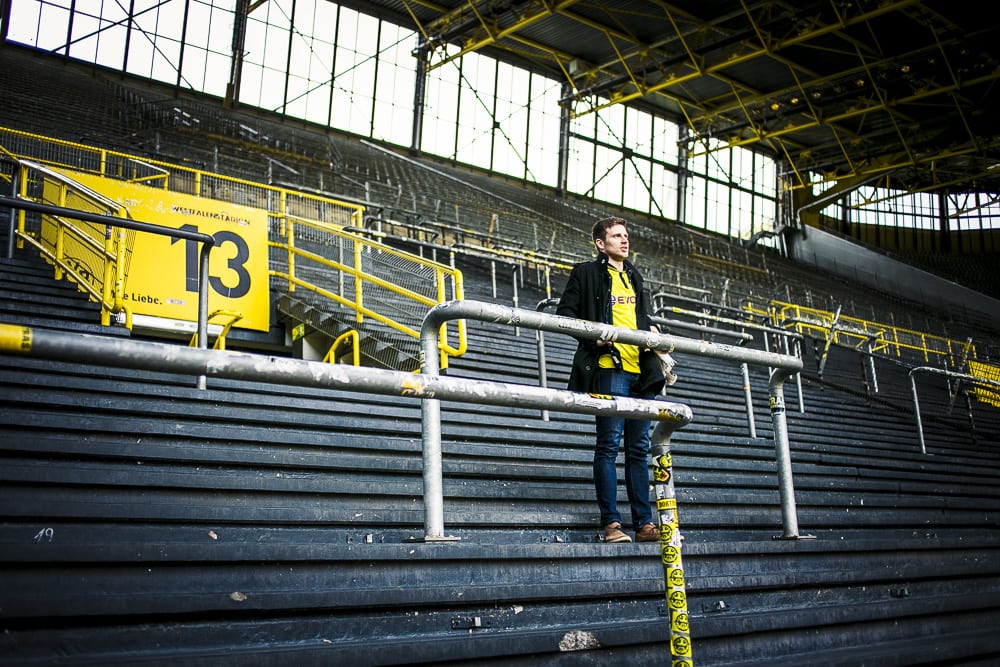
point(602, 260)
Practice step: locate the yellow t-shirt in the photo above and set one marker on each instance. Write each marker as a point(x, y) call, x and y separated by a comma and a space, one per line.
point(622, 315)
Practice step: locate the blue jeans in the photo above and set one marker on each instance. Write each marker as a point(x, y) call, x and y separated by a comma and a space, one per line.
point(609, 436)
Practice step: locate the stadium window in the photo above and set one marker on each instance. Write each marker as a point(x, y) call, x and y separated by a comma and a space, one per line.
point(101, 38)
point(637, 183)
point(717, 207)
point(510, 126)
point(581, 167)
point(154, 47)
point(665, 190)
point(353, 95)
point(26, 21)
point(666, 136)
point(609, 166)
point(394, 86)
point(694, 201)
point(543, 115)
point(765, 214)
point(310, 64)
point(742, 226)
point(266, 58)
point(207, 53)
point(441, 109)
point(765, 181)
point(610, 126)
point(475, 110)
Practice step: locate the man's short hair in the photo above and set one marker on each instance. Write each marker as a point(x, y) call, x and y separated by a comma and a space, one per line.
point(601, 226)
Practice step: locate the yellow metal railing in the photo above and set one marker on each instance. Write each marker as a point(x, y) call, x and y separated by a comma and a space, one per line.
point(92, 255)
point(845, 331)
point(362, 284)
point(375, 281)
point(232, 318)
point(178, 178)
point(983, 392)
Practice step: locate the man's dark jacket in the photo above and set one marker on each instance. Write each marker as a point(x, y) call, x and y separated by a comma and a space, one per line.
point(587, 296)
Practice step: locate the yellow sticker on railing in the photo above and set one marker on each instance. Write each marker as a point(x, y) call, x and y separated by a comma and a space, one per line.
point(14, 338)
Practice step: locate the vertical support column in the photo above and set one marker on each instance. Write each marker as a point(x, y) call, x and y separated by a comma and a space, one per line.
point(421, 53)
point(748, 400)
point(232, 98)
point(564, 127)
point(786, 488)
point(670, 548)
point(430, 414)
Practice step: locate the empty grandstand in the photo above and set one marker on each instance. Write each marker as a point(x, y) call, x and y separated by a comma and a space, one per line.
point(282, 386)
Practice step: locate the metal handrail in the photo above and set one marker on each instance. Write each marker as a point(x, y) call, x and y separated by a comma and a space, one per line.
point(351, 267)
point(206, 240)
point(782, 367)
point(430, 387)
point(748, 397)
point(888, 336)
point(973, 379)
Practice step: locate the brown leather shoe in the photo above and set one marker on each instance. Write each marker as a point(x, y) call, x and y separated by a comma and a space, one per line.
point(648, 533)
point(613, 533)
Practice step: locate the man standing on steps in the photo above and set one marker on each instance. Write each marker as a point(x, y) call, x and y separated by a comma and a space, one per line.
point(609, 289)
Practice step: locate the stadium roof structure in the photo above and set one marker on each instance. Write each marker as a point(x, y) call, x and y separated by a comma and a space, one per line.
point(897, 93)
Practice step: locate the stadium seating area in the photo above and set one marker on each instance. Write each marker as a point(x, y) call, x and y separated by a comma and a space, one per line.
point(149, 521)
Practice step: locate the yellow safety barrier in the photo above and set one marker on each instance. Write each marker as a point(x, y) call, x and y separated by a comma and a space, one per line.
point(350, 338)
point(363, 267)
point(220, 339)
point(984, 393)
point(845, 331)
point(292, 217)
point(92, 255)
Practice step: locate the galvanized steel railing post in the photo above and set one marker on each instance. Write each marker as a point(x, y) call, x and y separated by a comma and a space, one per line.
point(916, 412)
point(783, 365)
point(748, 399)
point(543, 373)
point(658, 410)
point(948, 374)
point(786, 489)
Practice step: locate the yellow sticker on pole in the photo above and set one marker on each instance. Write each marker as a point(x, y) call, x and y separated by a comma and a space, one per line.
point(681, 646)
point(679, 622)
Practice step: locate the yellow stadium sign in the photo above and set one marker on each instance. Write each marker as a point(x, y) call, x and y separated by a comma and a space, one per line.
point(162, 277)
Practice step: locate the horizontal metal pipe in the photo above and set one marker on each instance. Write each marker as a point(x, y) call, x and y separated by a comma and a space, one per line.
point(97, 218)
point(725, 320)
point(701, 328)
point(108, 351)
point(491, 312)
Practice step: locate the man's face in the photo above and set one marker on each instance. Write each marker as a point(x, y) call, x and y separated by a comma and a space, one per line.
point(615, 243)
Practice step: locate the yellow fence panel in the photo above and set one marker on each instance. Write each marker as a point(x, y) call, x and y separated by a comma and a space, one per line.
point(985, 371)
